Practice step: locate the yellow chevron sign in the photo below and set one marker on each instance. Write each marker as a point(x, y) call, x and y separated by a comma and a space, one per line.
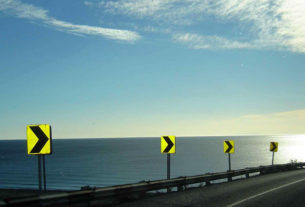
point(274, 146)
point(39, 138)
point(228, 146)
point(168, 144)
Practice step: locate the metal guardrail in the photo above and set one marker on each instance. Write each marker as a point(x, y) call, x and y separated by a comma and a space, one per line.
point(116, 194)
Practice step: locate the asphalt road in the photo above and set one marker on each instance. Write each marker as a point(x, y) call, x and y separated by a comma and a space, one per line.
point(284, 189)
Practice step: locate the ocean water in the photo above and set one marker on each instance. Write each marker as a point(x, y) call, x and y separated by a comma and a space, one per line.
point(105, 162)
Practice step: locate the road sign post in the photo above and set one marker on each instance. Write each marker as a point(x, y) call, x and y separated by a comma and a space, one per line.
point(39, 142)
point(168, 166)
point(168, 146)
point(39, 172)
point(228, 147)
point(273, 148)
point(229, 157)
point(44, 173)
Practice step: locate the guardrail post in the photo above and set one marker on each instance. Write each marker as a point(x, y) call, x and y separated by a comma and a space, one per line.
point(229, 176)
point(180, 188)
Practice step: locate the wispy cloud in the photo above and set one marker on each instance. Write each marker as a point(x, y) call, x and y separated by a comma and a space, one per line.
point(288, 122)
point(279, 123)
point(31, 12)
point(195, 41)
point(272, 24)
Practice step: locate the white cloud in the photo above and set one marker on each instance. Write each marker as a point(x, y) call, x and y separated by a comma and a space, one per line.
point(23, 10)
point(88, 3)
point(138, 7)
point(90, 30)
point(195, 41)
point(273, 24)
point(27, 11)
point(292, 24)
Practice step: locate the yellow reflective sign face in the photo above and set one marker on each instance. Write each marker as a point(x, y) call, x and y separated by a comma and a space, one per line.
point(39, 139)
point(228, 146)
point(274, 146)
point(168, 144)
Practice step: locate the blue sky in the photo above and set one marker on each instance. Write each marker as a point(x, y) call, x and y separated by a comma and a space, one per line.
point(134, 68)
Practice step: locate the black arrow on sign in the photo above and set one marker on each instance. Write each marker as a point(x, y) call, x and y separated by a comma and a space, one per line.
point(230, 146)
point(170, 144)
point(42, 139)
point(273, 147)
